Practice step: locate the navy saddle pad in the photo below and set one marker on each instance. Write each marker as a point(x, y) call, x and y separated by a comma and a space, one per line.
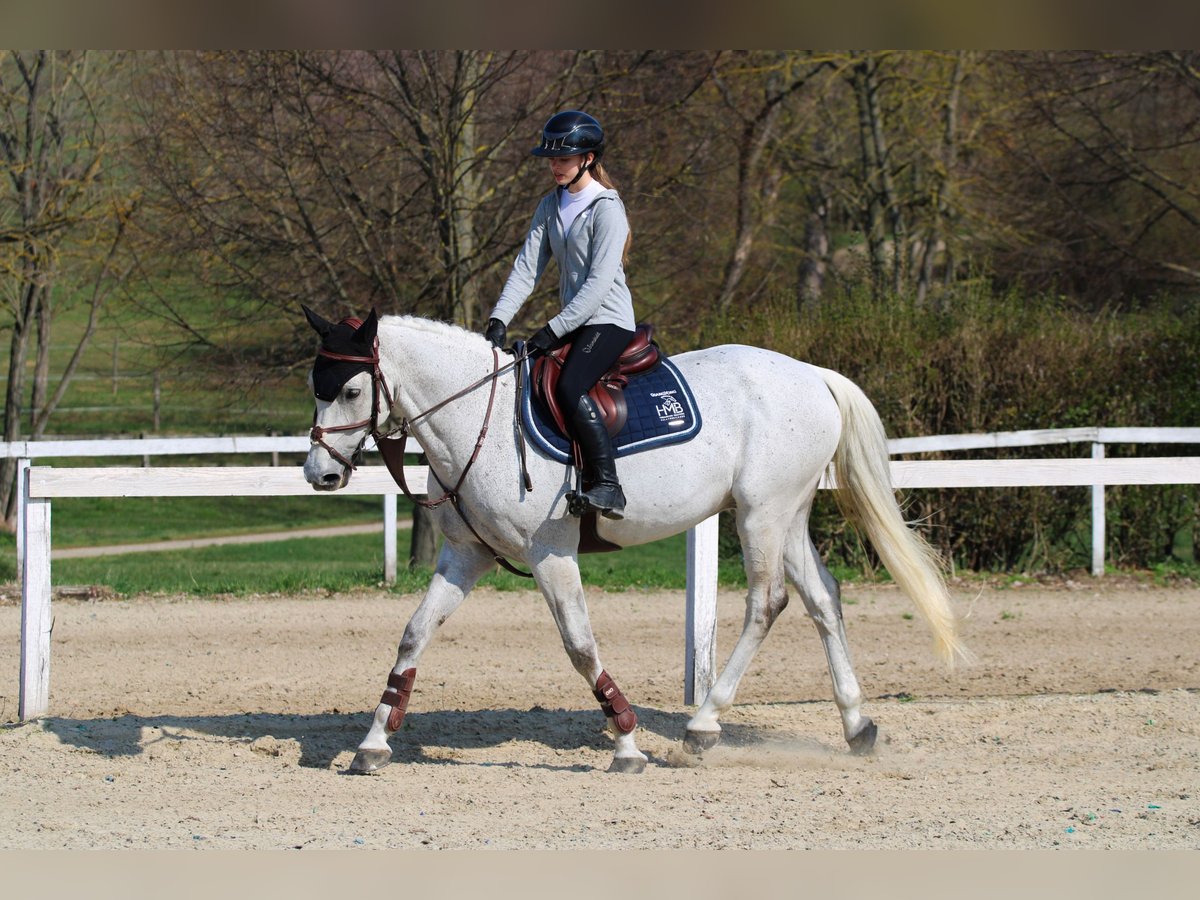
point(662, 411)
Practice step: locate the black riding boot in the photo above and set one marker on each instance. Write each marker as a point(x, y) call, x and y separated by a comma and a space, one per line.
point(600, 468)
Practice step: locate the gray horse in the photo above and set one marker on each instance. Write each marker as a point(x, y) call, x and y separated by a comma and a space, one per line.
point(772, 427)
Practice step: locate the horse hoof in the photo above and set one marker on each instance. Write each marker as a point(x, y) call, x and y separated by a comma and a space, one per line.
point(628, 765)
point(696, 742)
point(368, 761)
point(864, 741)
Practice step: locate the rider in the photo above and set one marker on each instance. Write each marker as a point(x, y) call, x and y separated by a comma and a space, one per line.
point(582, 224)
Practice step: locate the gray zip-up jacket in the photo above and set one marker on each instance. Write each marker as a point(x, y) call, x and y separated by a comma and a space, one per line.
point(591, 279)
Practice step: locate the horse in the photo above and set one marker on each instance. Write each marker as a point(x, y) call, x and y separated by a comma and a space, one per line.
point(772, 426)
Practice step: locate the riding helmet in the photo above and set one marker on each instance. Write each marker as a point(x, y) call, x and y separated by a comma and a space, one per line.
point(570, 133)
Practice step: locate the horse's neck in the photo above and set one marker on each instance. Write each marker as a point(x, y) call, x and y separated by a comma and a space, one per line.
point(427, 363)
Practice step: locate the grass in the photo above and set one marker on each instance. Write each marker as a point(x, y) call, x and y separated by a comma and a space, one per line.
point(94, 521)
point(334, 564)
point(113, 391)
point(338, 564)
point(298, 564)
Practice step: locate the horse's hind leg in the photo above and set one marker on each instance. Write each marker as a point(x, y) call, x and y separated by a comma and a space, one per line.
point(822, 599)
point(459, 567)
point(762, 552)
point(558, 578)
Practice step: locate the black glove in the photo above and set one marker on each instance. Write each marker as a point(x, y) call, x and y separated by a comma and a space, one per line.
point(496, 333)
point(543, 341)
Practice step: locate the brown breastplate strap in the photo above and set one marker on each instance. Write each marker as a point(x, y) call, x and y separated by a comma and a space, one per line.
point(614, 704)
point(396, 696)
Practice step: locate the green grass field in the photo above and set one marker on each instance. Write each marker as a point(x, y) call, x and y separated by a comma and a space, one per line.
point(95, 521)
point(113, 392)
point(338, 564)
point(300, 564)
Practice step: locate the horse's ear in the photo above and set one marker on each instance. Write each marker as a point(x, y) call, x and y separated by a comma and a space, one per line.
point(365, 333)
point(320, 326)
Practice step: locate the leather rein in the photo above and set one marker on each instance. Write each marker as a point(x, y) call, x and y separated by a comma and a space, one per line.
point(393, 456)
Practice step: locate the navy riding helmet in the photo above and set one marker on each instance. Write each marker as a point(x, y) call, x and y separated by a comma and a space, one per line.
point(570, 133)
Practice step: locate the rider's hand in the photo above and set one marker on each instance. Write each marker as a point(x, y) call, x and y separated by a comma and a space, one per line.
point(544, 340)
point(496, 333)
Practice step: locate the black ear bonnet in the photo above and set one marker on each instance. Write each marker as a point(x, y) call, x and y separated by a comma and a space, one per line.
point(349, 337)
point(329, 375)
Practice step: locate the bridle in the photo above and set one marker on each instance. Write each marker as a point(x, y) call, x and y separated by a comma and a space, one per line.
point(378, 385)
point(393, 455)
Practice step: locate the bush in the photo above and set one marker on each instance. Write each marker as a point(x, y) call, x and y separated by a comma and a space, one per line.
point(982, 361)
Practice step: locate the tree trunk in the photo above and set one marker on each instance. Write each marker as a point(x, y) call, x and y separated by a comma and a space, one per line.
point(935, 237)
point(815, 260)
point(862, 80)
point(465, 198)
point(753, 190)
point(18, 349)
point(14, 397)
point(884, 211)
point(41, 368)
point(754, 141)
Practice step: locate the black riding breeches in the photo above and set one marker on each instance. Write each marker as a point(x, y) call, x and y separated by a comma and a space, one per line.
point(594, 351)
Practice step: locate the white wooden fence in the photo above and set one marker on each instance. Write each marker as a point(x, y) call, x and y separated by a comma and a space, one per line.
point(1097, 437)
point(41, 484)
point(26, 451)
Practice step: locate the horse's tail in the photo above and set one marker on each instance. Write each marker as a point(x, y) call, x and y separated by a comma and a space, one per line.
point(864, 494)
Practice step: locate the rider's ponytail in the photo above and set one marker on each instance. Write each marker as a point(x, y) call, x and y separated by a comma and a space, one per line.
point(598, 172)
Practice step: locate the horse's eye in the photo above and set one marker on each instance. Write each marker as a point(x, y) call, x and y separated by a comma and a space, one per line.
point(352, 393)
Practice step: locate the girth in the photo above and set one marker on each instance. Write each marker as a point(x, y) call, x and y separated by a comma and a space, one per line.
point(640, 355)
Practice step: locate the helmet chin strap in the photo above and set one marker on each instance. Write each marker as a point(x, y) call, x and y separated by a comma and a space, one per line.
point(582, 169)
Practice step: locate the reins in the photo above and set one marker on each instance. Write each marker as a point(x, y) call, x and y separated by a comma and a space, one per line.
point(393, 457)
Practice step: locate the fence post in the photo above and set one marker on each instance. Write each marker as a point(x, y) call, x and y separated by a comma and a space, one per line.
point(22, 468)
point(36, 621)
point(1098, 553)
point(700, 637)
point(389, 538)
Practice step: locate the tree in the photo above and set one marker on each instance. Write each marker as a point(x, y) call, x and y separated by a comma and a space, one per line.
point(63, 220)
point(1093, 172)
point(342, 180)
point(760, 172)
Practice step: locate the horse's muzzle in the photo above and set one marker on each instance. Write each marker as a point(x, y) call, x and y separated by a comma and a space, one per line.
point(324, 472)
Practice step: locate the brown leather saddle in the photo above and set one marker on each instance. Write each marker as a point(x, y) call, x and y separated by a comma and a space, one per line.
point(641, 355)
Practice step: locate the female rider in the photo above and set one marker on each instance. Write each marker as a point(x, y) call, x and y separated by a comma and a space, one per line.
point(582, 225)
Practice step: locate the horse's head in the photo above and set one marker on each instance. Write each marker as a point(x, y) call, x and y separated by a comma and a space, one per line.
point(352, 398)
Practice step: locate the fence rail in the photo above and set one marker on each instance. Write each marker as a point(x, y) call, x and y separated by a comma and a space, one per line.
point(26, 451)
point(235, 444)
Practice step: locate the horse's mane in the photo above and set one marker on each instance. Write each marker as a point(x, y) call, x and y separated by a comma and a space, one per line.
point(430, 326)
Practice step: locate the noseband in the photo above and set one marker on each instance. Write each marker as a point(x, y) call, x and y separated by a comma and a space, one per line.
point(378, 384)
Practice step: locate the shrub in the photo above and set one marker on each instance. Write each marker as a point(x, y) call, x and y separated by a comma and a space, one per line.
point(983, 361)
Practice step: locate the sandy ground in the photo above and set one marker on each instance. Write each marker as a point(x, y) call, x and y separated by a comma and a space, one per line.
point(228, 723)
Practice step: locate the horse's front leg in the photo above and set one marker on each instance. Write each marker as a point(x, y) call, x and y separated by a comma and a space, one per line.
point(459, 567)
point(558, 578)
